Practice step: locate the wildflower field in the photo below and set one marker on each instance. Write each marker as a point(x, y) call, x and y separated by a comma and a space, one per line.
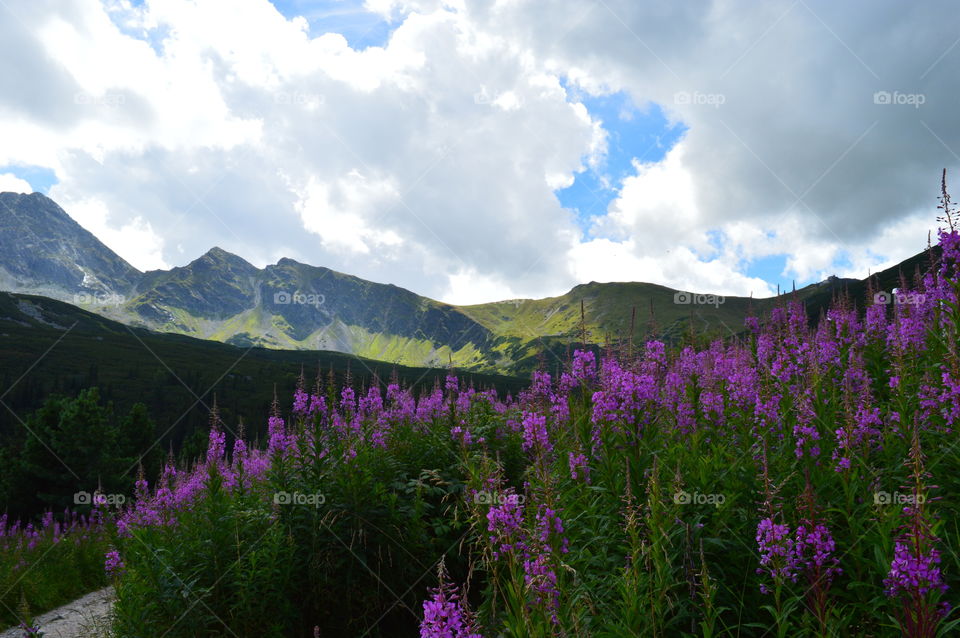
point(796, 481)
point(50, 563)
point(792, 481)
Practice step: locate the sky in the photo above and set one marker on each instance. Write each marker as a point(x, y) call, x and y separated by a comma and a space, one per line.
point(480, 150)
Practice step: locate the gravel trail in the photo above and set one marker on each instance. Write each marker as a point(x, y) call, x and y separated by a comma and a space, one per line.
point(73, 620)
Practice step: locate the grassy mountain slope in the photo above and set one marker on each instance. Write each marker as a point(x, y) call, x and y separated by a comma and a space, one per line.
point(48, 346)
point(295, 306)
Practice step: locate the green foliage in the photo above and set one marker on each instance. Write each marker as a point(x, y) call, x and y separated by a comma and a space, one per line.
point(69, 446)
point(168, 373)
point(49, 571)
point(226, 563)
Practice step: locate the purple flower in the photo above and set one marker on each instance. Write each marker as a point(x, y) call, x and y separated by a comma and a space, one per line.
point(444, 616)
point(30, 630)
point(579, 467)
point(584, 366)
point(913, 571)
point(318, 404)
point(279, 441)
point(815, 548)
point(535, 432)
point(539, 558)
point(777, 556)
point(300, 402)
point(504, 522)
point(348, 400)
point(217, 445)
point(462, 435)
point(113, 564)
point(452, 384)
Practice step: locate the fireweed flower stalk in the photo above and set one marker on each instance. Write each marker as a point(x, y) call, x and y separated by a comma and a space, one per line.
point(815, 547)
point(914, 580)
point(940, 392)
point(540, 575)
point(279, 442)
point(445, 615)
point(529, 550)
point(626, 401)
point(778, 557)
point(805, 433)
point(535, 436)
point(505, 525)
point(579, 469)
point(177, 490)
point(785, 556)
point(113, 564)
point(584, 366)
point(861, 434)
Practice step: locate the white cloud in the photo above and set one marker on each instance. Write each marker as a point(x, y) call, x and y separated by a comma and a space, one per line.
point(338, 212)
point(779, 101)
point(656, 206)
point(10, 183)
point(135, 240)
point(895, 243)
point(604, 261)
point(468, 286)
point(654, 231)
point(431, 161)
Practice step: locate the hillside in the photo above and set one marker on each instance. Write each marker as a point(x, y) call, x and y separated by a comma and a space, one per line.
point(48, 346)
point(295, 306)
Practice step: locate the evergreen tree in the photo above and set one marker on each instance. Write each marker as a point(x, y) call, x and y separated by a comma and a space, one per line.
point(138, 441)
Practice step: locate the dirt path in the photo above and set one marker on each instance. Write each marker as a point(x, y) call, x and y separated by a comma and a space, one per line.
point(73, 620)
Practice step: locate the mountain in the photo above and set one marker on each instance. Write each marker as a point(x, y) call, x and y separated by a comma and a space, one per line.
point(45, 251)
point(291, 305)
point(223, 297)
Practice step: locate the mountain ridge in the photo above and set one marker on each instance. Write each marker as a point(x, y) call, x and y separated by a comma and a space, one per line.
point(293, 305)
point(44, 246)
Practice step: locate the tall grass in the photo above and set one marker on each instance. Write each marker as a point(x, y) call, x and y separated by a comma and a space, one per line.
point(45, 565)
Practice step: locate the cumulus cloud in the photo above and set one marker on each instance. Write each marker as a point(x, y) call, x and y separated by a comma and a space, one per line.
point(135, 240)
point(414, 163)
point(432, 161)
point(13, 184)
point(811, 115)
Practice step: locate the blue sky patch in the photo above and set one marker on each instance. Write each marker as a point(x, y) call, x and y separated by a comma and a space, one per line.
point(361, 28)
point(770, 269)
point(643, 134)
point(40, 178)
point(153, 37)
